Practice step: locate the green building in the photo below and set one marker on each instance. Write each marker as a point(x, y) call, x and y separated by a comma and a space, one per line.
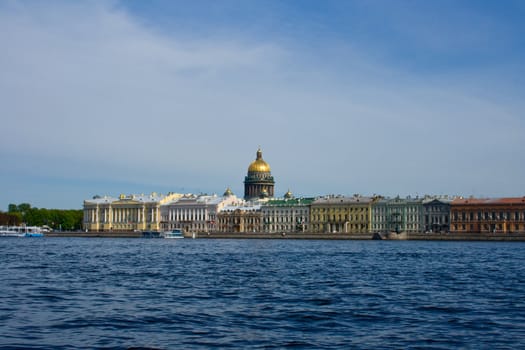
point(286, 215)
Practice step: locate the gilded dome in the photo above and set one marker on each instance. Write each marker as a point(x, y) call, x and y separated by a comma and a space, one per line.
point(228, 192)
point(259, 165)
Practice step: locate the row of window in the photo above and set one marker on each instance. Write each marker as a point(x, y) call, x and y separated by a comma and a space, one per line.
point(322, 210)
point(284, 212)
point(238, 221)
point(340, 227)
point(487, 227)
point(383, 210)
point(383, 227)
point(386, 218)
point(485, 215)
point(186, 215)
point(286, 219)
point(339, 217)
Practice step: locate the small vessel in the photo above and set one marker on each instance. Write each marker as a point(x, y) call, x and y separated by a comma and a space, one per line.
point(176, 233)
point(33, 234)
point(21, 231)
point(151, 234)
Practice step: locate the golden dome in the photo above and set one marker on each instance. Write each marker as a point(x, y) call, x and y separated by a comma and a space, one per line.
point(259, 165)
point(227, 193)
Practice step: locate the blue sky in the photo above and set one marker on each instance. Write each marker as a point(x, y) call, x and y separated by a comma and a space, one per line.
point(370, 97)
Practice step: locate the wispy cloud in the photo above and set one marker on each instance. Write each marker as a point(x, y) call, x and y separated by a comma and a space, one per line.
point(88, 91)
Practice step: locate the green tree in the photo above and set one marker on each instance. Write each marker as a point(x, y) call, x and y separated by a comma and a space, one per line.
point(54, 218)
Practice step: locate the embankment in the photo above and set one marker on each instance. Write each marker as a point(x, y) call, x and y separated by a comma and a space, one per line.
point(306, 235)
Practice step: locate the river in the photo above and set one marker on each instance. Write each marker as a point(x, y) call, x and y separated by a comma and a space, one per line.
point(74, 293)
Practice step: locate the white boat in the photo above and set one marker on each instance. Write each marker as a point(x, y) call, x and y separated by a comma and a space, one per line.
point(176, 233)
point(21, 231)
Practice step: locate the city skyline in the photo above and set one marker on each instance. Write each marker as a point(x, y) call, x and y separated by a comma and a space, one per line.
point(343, 97)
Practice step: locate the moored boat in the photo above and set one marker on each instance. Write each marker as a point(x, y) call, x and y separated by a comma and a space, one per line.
point(151, 234)
point(21, 231)
point(176, 233)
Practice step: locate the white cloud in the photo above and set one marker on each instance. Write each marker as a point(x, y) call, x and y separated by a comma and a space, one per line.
point(90, 83)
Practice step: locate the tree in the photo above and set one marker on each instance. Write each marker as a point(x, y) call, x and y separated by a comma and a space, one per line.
point(10, 219)
point(54, 218)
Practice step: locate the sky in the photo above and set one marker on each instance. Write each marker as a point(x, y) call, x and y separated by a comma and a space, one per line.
point(343, 97)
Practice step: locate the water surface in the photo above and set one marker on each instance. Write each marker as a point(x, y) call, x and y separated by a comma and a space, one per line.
point(61, 293)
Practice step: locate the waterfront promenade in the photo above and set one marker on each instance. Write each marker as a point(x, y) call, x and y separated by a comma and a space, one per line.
point(306, 235)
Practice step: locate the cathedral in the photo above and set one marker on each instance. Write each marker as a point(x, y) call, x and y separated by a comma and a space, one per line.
point(259, 181)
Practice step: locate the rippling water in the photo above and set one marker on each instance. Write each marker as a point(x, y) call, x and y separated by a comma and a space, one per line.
point(139, 293)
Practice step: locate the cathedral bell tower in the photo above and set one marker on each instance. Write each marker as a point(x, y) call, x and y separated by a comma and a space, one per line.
point(259, 182)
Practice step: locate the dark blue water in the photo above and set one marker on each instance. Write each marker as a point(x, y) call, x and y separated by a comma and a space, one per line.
point(138, 293)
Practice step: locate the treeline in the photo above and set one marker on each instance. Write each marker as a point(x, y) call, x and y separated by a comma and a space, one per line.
point(57, 219)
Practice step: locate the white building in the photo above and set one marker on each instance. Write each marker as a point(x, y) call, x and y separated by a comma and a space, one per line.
point(195, 213)
point(127, 213)
point(286, 215)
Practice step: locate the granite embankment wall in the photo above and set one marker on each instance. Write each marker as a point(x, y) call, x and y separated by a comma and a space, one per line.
point(302, 235)
point(466, 236)
point(78, 234)
point(369, 236)
point(306, 235)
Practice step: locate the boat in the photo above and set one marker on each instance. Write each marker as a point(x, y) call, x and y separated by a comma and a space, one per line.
point(33, 234)
point(176, 233)
point(151, 234)
point(21, 231)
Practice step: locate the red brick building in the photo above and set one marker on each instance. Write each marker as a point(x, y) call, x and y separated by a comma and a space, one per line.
point(497, 215)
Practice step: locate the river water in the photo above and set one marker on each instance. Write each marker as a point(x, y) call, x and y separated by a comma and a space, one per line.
point(65, 293)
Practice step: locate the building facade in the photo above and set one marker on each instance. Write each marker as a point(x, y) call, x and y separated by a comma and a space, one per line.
point(397, 215)
point(246, 217)
point(126, 213)
point(259, 182)
point(286, 215)
point(195, 213)
point(436, 214)
point(495, 215)
point(341, 214)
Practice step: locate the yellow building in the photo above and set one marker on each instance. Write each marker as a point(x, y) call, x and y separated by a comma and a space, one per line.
point(126, 213)
point(341, 214)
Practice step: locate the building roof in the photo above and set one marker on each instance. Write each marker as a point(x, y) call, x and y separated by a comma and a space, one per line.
point(245, 207)
point(203, 199)
point(289, 202)
point(489, 201)
point(338, 200)
point(100, 200)
point(143, 198)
